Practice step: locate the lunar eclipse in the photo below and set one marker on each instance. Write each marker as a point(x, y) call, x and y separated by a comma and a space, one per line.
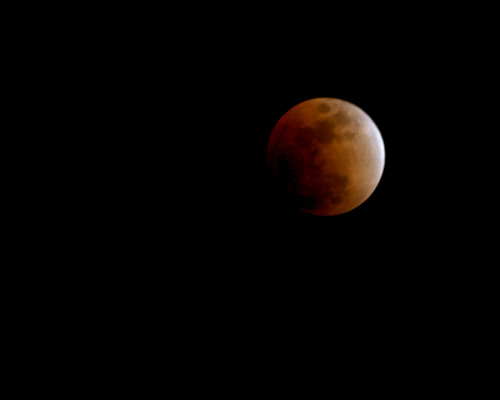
point(327, 155)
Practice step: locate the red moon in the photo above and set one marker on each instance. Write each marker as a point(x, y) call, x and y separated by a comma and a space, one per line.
point(327, 154)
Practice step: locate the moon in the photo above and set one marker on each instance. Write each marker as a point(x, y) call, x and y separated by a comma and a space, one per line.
point(327, 154)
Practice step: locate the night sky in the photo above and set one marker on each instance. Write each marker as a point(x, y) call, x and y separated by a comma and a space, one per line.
point(159, 205)
point(211, 194)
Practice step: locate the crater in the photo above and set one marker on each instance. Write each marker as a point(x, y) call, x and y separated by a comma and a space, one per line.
point(326, 130)
point(324, 108)
point(342, 118)
point(350, 134)
point(337, 181)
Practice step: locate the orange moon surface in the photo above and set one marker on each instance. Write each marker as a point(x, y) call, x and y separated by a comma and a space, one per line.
point(327, 154)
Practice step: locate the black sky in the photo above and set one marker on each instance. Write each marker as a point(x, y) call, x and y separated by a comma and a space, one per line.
point(208, 104)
